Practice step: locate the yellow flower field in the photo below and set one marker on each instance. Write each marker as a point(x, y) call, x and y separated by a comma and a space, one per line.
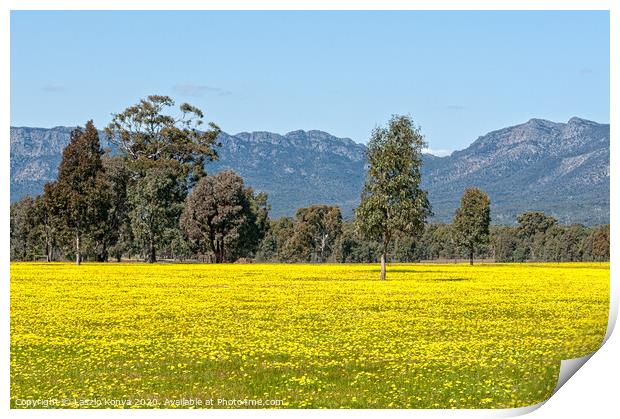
point(442, 336)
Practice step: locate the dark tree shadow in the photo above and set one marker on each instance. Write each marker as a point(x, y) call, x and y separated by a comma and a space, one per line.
point(451, 279)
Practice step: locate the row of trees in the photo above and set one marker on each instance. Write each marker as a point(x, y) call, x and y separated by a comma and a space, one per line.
point(138, 201)
point(536, 237)
point(152, 199)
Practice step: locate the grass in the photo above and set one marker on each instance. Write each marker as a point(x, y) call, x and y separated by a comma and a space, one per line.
point(431, 336)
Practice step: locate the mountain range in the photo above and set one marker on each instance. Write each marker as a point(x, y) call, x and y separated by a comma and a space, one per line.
point(559, 168)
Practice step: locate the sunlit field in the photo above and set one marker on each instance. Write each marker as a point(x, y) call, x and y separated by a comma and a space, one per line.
point(431, 336)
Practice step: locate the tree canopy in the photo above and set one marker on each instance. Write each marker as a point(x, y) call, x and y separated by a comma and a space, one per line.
point(223, 216)
point(471, 220)
point(392, 201)
point(82, 203)
point(148, 131)
point(156, 201)
point(164, 154)
point(318, 226)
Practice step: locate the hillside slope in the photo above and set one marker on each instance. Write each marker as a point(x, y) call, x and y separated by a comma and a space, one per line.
point(559, 168)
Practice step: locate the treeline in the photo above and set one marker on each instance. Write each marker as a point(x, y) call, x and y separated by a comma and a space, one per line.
point(319, 234)
point(153, 200)
point(536, 237)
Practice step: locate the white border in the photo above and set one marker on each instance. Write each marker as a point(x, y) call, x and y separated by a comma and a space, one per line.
point(311, 5)
point(592, 393)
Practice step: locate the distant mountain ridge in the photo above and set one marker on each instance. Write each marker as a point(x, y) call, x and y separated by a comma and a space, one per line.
point(296, 169)
point(559, 168)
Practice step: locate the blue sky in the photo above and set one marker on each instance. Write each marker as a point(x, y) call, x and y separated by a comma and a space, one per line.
point(459, 74)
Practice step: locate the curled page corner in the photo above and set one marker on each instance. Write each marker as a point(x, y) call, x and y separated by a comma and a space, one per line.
point(568, 367)
point(614, 298)
point(517, 411)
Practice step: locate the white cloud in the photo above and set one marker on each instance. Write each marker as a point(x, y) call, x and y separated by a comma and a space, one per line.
point(439, 152)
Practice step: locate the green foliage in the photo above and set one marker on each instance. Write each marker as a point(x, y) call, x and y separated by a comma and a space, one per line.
point(164, 156)
point(505, 243)
point(313, 236)
point(392, 200)
point(471, 221)
point(156, 200)
point(437, 242)
point(316, 230)
point(596, 244)
point(116, 235)
point(80, 191)
point(350, 247)
point(273, 247)
point(176, 247)
point(146, 131)
point(538, 243)
point(534, 222)
point(392, 203)
point(24, 232)
point(224, 218)
point(30, 230)
point(49, 210)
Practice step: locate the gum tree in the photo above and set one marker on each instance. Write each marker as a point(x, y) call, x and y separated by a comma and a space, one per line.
point(224, 217)
point(471, 221)
point(392, 202)
point(165, 151)
point(80, 187)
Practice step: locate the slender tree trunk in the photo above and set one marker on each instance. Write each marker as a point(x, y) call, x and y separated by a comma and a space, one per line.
point(103, 257)
point(152, 255)
point(217, 251)
point(48, 246)
point(323, 245)
point(78, 255)
point(471, 256)
point(383, 266)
